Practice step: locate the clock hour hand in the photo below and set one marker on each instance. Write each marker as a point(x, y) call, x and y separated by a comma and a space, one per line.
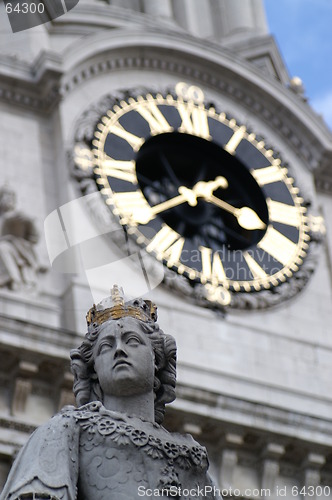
point(246, 217)
point(205, 189)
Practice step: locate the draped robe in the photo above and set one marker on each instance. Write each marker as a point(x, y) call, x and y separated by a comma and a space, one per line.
point(91, 453)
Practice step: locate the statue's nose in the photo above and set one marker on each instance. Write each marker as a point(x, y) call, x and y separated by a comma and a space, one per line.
point(120, 351)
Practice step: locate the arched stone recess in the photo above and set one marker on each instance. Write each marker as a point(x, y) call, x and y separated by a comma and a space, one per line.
point(107, 65)
point(210, 66)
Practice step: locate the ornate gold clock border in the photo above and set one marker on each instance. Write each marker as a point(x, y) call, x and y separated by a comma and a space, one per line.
point(91, 167)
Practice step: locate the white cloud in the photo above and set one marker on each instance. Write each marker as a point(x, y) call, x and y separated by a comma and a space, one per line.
point(323, 106)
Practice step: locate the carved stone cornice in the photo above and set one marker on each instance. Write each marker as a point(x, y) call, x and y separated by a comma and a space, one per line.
point(16, 424)
point(323, 175)
point(38, 365)
point(34, 86)
point(222, 413)
point(103, 15)
point(52, 342)
point(261, 48)
point(41, 84)
point(269, 440)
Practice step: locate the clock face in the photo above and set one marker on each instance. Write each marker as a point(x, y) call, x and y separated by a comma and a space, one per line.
point(201, 193)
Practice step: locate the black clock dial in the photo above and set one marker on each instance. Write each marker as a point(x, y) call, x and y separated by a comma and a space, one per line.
point(167, 161)
point(200, 193)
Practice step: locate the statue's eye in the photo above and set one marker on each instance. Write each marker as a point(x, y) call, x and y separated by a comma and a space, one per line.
point(133, 340)
point(106, 346)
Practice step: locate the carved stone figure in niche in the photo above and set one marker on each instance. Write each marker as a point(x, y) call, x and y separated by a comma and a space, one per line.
point(113, 447)
point(18, 236)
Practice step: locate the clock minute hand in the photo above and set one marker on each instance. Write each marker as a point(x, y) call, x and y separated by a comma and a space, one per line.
point(246, 217)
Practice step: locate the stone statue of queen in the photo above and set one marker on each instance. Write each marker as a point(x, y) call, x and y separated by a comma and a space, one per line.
point(113, 447)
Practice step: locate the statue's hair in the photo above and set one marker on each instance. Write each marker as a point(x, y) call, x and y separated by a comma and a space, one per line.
point(86, 384)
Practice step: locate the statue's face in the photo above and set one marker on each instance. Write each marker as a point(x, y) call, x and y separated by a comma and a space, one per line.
point(124, 358)
point(8, 200)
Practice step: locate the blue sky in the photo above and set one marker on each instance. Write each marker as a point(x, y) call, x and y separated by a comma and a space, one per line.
point(303, 31)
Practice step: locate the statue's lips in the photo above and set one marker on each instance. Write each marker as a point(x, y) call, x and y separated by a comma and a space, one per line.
point(121, 362)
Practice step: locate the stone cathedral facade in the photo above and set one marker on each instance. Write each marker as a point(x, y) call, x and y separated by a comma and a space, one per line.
point(105, 112)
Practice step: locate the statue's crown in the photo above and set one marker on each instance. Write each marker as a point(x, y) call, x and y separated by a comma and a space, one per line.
point(115, 307)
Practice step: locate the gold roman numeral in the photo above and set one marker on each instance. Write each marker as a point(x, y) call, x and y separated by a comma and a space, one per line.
point(212, 267)
point(255, 268)
point(286, 214)
point(124, 170)
point(129, 204)
point(278, 246)
point(118, 130)
point(156, 120)
point(194, 120)
point(267, 175)
point(235, 140)
point(167, 244)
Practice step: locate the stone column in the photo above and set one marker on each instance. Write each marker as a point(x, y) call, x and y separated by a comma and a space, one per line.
point(66, 396)
point(162, 8)
point(311, 477)
point(126, 4)
point(195, 16)
point(23, 386)
point(231, 17)
point(228, 463)
point(270, 467)
point(232, 442)
point(239, 16)
point(258, 12)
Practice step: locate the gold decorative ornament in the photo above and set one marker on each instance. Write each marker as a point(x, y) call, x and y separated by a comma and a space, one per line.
point(143, 310)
